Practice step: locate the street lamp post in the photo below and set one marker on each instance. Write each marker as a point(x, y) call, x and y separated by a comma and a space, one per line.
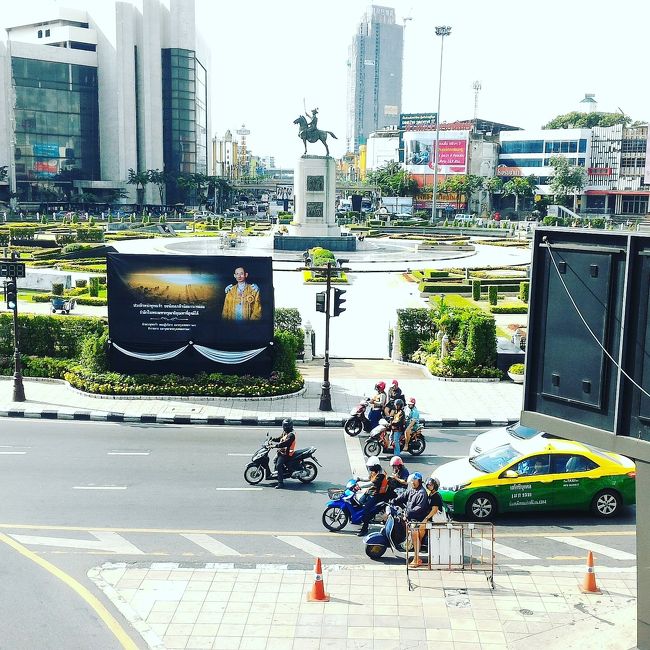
point(442, 32)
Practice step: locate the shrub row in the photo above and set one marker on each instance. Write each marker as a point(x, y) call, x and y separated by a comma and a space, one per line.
point(509, 309)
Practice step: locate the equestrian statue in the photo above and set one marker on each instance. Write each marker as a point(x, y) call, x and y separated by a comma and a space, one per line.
point(309, 131)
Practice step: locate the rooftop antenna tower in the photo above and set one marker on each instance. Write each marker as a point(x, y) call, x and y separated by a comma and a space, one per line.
point(477, 87)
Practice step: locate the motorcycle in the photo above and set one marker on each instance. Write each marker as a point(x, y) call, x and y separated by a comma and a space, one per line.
point(343, 508)
point(358, 420)
point(302, 465)
point(380, 441)
point(393, 534)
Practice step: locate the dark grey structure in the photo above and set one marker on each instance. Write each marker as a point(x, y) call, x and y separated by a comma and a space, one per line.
point(588, 357)
point(374, 75)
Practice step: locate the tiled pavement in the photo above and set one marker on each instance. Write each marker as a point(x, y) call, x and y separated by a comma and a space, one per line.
point(371, 608)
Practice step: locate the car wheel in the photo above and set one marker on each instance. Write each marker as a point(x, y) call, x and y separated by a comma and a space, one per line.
point(335, 518)
point(253, 474)
point(481, 507)
point(372, 448)
point(606, 503)
point(308, 472)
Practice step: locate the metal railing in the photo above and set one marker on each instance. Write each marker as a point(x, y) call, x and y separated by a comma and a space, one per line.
point(458, 546)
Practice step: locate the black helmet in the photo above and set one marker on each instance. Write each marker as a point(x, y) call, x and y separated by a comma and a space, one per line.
point(399, 403)
point(287, 425)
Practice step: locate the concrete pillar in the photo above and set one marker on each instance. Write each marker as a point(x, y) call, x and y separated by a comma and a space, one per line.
point(444, 348)
point(309, 353)
point(643, 555)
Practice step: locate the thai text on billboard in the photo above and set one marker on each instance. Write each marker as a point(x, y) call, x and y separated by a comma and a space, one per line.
point(419, 146)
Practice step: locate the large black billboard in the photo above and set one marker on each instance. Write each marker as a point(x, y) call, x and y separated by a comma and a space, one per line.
point(190, 313)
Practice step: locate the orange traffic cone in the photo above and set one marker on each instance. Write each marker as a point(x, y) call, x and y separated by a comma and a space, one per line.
point(317, 593)
point(589, 585)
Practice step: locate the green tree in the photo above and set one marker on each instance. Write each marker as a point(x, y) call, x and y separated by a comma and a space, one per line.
point(160, 180)
point(140, 180)
point(520, 187)
point(219, 186)
point(578, 120)
point(492, 185)
point(567, 179)
point(4, 171)
point(392, 180)
point(461, 184)
point(200, 181)
point(186, 185)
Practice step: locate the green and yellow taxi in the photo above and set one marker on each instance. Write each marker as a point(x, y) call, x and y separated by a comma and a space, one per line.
point(525, 476)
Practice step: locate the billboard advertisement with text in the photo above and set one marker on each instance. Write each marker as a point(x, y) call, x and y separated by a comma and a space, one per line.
point(190, 314)
point(419, 146)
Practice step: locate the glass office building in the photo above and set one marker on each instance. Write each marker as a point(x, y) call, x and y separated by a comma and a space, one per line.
point(56, 128)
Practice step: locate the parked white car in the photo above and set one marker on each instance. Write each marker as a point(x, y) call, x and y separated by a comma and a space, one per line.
point(505, 435)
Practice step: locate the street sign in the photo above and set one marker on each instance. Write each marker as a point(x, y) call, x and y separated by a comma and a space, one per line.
point(12, 269)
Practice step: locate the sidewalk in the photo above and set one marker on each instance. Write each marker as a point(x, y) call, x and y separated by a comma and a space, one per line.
point(371, 608)
point(441, 403)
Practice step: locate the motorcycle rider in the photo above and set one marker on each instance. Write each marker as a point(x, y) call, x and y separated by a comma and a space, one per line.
point(398, 425)
point(394, 393)
point(377, 403)
point(286, 445)
point(374, 489)
point(412, 420)
point(399, 478)
point(416, 503)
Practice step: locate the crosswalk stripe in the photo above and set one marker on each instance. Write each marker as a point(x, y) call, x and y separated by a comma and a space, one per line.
point(607, 551)
point(308, 547)
point(210, 544)
point(501, 549)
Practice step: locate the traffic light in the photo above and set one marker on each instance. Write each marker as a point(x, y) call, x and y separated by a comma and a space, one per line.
point(338, 301)
point(12, 294)
point(321, 303)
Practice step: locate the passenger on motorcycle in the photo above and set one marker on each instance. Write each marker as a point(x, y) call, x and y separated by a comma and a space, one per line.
point(394, 393)
point(398, 425)
point(286, 445)
point(398, 480)
point(416, 503)
point(377, 403)
point(412, 420)
point(373, 490)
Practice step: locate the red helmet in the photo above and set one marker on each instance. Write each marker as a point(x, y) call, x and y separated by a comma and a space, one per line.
point(394, 382)
point(380, 385)
point(411, 401)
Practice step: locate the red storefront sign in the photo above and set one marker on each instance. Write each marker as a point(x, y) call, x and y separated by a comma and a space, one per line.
point(599, 171)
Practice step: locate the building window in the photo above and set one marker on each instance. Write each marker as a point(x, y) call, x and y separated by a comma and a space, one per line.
point(582, 145)
point(40, 33)
point(635, 205)
point(522, 146)
point(521, 162)
point(47, 33)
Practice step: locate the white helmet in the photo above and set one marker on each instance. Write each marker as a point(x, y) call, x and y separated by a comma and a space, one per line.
point(372, 461)
point(396, 460)
point(383, 422)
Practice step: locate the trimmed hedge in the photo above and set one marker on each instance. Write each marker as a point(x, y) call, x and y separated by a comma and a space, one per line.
point(509, 309)
point(493, 294)
point(476, 290)
point(444, 287)
point(414, 327)
point(524, 290)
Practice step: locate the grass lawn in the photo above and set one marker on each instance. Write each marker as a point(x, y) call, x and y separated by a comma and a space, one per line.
point(26, 294)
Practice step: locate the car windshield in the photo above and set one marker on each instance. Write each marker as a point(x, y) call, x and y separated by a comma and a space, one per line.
point(520, 431)
point(495, 459)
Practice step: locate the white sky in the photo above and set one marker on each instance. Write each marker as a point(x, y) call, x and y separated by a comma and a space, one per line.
point(534, 60)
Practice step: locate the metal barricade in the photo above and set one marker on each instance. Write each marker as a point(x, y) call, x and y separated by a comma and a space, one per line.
point(457, 546)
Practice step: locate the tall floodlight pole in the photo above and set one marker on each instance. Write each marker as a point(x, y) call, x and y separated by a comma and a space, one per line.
point(442, 32)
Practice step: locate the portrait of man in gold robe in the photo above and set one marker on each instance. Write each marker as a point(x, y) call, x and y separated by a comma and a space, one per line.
point(242, 298)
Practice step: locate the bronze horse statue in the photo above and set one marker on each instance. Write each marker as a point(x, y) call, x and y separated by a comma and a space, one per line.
point(307, 134)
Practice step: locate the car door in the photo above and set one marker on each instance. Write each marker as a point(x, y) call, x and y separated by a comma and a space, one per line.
point(531, 489)
point(575, 480)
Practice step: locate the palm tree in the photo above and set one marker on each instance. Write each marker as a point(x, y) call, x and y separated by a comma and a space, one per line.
point(492, 185)
point(159, 179)
point(140, 180)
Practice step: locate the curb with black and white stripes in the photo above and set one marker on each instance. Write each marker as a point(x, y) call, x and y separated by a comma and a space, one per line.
point(219, 420)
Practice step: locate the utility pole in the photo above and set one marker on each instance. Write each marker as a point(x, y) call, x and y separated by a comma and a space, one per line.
point(12, 269)
point(323, 304)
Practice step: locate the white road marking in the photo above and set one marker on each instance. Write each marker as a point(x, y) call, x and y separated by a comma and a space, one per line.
point(562, 568)
point(599, 549)
point(501, 549)
point(110, 542)
point(244, 455)
point(12, 453)
point(128, 453)
point(99, 487)
point(210, 544)
point(308, 547)
point(240, 489)
point(355, 455)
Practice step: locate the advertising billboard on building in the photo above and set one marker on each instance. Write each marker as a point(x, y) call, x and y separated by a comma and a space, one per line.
point(646, 176)
point(418, 152)
point(414, 122)
point(190, 314)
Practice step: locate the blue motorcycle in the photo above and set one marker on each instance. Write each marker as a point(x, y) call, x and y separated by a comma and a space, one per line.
point(393, 534)
point(343, 508)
